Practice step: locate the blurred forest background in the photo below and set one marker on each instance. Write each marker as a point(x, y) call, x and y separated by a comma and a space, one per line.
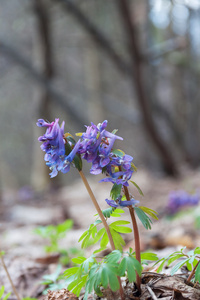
point(135, 63)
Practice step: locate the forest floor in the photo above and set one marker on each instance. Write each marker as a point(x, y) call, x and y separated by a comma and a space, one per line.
point(22, 211)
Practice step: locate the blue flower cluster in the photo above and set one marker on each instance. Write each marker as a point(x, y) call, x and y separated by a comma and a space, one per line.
point(54, 146)
point(181, 199)
point(95, 145)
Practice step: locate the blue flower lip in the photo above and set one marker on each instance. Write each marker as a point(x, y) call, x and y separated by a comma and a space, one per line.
point(121, 203)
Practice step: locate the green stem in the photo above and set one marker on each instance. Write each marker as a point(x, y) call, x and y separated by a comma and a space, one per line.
point(103, 221)
point(136, 235)
point(98, 209)
point(9, 278)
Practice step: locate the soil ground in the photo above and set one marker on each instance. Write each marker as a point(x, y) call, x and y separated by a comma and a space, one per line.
point(22, 211)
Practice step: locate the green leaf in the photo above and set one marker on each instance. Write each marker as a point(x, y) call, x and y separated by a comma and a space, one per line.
point(104, 278)
point(27, 298)
point(122, 267)
point(2, 253)
point(78, 260)
point(115, 215)
point(138, 188)
point(71, 139)
point(78, 162)
point(68, 148)
point(97, 222)
point(85, 241)
point(104, 240)
point(2, 291)
point(76, 285)
point(83, 235)
point(122, 229)
point(7, 295)
point(149, 256)
point(94, 232)
point(146, 221)
point(131, 265)
point(178, 266)
point(119, 210)
point(117, 239)
point(130, 272)
point(103, 275)
point(99, 235)
point(99, 250)
point(150, 212)
point(71, 271)
point(197, 273)
point(63, 227)
point(115, 191)
point(120, 222)
point(91, 279)
point(197, 250)
point(113, 257)
point(174, 257)
point(107, 212)
point(114, 283)
point(87, 263)
point(161, 265)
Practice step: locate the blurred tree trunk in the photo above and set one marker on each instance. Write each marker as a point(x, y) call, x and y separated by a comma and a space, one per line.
point(92, 82)
point(44, 58)
point(138, 81)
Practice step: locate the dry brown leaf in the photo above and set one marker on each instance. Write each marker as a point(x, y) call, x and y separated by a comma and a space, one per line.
point(63, 294)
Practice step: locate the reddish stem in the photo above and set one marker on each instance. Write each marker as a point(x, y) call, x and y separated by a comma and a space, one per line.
point(192, 273)
point(136, 235)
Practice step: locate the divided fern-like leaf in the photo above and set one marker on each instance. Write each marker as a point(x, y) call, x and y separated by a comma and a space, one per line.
point(122, 229)
point(108, 212)
point(152, 213)
point(115, 191)
point(146, 221)
point(114, 256)
point(130, 265)
point(105, 274)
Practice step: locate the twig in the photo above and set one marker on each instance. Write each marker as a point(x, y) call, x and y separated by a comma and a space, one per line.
point(9, 278)
point(151, 293)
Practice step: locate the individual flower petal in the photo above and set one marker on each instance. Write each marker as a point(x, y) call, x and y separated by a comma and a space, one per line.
point(119, 202)
point(112, 203)
point(132, 202)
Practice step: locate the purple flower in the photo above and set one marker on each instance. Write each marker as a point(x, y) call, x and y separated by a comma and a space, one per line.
point(54, 146)
point(119, 170)
point(96, 146)
point(53, 137)
point(118, 202)
point(181, 199)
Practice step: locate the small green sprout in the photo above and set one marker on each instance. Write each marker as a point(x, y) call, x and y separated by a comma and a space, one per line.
point(2, 297)
point(54, 233)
